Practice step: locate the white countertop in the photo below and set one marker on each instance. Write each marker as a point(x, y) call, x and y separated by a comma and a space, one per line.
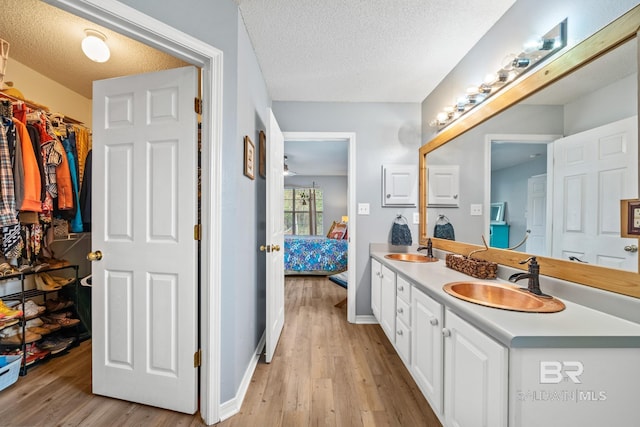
point(576, 326)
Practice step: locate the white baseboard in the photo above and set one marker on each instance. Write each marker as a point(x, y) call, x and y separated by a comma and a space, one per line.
point(368, 319)
point(232, 406)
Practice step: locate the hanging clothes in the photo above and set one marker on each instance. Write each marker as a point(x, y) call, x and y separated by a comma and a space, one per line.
point(85, 193)
point(31, 180)
point(76, 220)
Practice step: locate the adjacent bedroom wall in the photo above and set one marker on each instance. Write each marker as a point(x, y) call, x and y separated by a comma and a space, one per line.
point(334, 191)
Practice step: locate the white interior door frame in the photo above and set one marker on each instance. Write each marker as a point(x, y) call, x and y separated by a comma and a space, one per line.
point(135, 24)
point(350, 138)
point(524, 139)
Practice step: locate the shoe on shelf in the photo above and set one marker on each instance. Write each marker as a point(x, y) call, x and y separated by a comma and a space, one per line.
point(39, 330)
point(13, 336)
point(52, 327)
point(31, 309)
point(55, 304)
point(36, 353)
point(56, 344)
point(5, 323)
point(7, 313)
point(62, 319)
point(44, 283)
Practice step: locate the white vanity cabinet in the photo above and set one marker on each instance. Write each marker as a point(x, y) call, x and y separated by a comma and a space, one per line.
point(403, 319)
point(426, 348)
point(376, 284)
point(388, 302)
point(475, 376)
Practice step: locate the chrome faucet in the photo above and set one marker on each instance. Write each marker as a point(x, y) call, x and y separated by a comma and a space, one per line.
point(533, 275)
point(429, 249)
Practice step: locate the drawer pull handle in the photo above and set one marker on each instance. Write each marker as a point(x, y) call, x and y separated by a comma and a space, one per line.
point(400, 310)
point(446, 332)
point(401, 288)
point(433, 321)
point(399, 332)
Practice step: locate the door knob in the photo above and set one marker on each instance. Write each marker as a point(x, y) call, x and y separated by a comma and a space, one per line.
point(631, 248)
point(275, 248)
point(94, 256)
point(264, 248)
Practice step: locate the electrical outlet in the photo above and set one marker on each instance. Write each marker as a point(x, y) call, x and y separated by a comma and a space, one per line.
point(476, 210)
point(416, 217)
point(363, 208)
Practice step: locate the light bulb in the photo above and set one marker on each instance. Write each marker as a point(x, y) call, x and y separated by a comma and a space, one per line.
point(95, 47)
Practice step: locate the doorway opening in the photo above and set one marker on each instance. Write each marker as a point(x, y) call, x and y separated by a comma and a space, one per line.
point(350, 139)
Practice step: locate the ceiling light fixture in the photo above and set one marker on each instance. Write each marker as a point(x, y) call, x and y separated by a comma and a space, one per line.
point(94, 46)
point(287, 172)
point(512, 66)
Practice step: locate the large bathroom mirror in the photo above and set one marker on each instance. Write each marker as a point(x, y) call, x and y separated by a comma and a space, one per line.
point(518, 152)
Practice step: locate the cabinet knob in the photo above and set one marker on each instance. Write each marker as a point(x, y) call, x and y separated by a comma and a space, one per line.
point(446, 332)
point(388, 196)
point(399, 332)
point(401, 288)
point(433, 321)
point(400, 310)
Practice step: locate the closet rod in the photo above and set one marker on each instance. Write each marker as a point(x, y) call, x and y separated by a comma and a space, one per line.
point(36, 106)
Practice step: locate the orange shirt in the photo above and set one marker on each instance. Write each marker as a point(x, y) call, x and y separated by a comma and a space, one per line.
point(32, 182)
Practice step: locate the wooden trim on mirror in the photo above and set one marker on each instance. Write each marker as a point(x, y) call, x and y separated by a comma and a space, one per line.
point(618, 32)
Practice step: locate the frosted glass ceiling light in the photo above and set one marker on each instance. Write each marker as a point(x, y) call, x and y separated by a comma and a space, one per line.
point(95, 47)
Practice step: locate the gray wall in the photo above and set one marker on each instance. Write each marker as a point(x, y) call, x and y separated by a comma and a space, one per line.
point(383, 135)
point(244, 106)
point(334, 193)
point(511, 185)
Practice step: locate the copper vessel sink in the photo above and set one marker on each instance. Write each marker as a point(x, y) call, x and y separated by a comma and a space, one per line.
point(504, 296)
point(410, 257)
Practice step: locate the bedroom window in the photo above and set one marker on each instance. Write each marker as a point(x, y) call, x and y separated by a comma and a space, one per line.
point(303, 211)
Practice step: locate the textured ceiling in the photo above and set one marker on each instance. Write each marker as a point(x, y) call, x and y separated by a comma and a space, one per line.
point(363, 50)
point(47, 39)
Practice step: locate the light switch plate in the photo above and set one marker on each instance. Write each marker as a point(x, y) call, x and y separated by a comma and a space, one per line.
point(416, 217)
point(363, 208)
point(476, 210)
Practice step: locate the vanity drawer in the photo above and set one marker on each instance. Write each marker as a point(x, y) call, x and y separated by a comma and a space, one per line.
point(403, 289)
point(403, 311)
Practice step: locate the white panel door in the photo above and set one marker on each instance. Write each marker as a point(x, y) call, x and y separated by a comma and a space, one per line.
point(144, 298)
point(275, 235)
point(388, 302)
point(537, 215)
point(593, 171)
point(376, 279)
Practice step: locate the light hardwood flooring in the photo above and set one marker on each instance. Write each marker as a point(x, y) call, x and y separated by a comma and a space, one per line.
point(326, 372)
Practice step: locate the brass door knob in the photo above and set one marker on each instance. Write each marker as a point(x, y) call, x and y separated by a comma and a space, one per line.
point(275, 248)
point(94, 256)
point(264, 248)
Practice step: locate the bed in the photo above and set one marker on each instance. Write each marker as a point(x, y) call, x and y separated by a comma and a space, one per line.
point(314, 255)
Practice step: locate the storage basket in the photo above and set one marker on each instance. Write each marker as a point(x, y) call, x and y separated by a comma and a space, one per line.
point(9, 372)
point(473, 267)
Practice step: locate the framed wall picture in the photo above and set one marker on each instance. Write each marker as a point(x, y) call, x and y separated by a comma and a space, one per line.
point(630, 218)
point(249, 158)
point(262, 147)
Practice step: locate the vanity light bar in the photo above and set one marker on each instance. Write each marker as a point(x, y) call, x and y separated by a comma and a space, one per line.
point(513, 66)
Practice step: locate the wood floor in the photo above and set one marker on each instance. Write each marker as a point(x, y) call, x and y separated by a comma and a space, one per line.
point(326, 372)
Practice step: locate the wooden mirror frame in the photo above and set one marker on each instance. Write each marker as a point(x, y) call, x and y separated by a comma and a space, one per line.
point(613, 35)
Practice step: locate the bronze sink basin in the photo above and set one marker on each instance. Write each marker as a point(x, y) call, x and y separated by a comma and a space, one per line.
point(503, 296)
point(410, 257)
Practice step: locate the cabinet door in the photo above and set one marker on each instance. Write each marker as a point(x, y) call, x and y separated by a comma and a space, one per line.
point(376, 277)
point(388, 303)
point(475, 376)
point(399, 185)
point(443, 184)
point(403, 341)
point(426, 349)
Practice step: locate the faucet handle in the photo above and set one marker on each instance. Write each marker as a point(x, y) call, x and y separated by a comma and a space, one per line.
point(532, 259)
